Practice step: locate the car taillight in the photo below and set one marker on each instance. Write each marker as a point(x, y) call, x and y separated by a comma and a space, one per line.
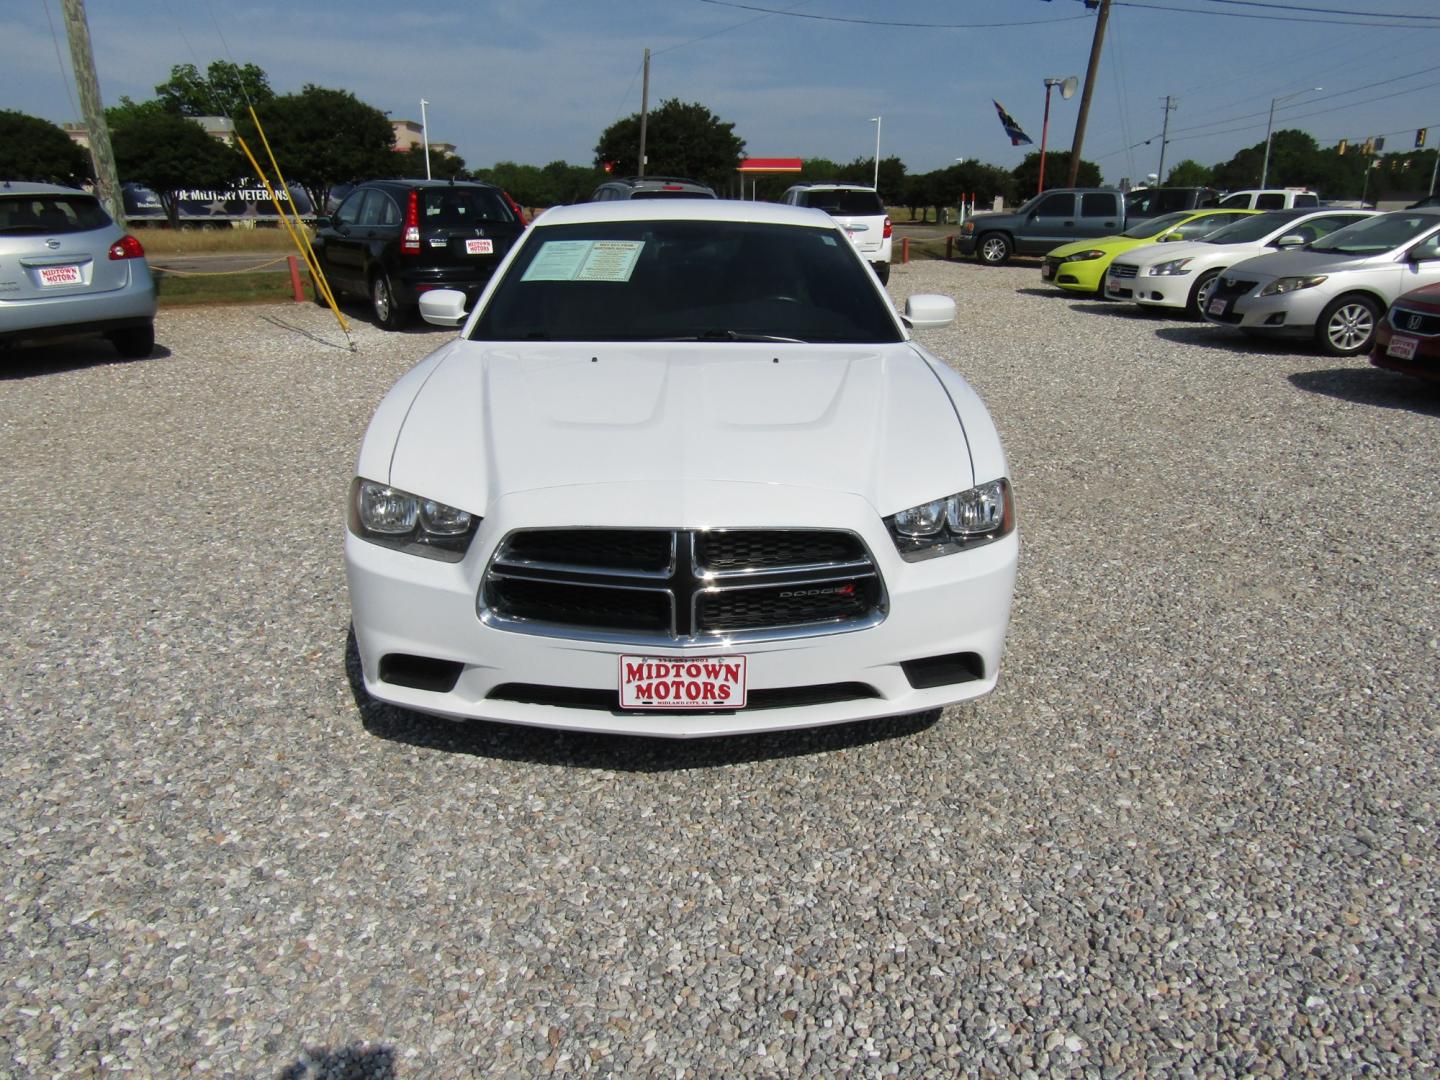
point(410, 241)
point(887, 228)
point(127, 247)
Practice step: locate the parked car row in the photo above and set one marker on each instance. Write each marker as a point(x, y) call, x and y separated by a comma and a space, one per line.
point(1350, 281)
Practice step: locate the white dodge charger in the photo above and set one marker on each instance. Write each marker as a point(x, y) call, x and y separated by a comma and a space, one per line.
point(683, 472)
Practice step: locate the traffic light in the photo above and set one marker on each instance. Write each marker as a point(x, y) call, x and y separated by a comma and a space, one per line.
point(1341, 148)
point(1420, 138)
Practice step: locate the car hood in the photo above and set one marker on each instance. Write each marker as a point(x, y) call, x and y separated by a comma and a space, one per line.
point(1111, 245)
point(488, 420)
point(1186, 249)
point(1303, 263)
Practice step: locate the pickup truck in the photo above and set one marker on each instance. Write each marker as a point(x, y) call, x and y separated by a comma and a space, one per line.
point(1054, 217)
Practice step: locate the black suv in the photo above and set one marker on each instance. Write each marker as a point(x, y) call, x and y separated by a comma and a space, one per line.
point(391, 240)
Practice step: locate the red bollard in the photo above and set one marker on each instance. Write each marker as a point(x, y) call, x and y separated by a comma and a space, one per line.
point(905, 250)
point(295, 285)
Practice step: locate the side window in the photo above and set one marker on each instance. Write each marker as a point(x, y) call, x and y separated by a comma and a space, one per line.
point(349, 212)
point(389, 212)
point(1270, 200)
point(370, 209)
point(1320, 226)
point(1206, 225)
point(1241, 202)
point(1055, 206)
point(1097, 204)
point(1307, 198)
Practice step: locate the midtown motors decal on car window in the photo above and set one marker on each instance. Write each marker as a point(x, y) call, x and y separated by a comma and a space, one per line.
point(585, 260)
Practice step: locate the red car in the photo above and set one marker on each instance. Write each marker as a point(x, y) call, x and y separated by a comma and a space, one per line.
point(1408, 338)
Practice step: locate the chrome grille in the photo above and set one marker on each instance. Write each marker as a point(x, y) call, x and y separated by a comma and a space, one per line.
point(678, 586)
point(1410, 321)
point(1123, 270)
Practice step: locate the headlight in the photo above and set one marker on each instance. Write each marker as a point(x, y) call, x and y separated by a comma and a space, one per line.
point(396, 519)
point(1174, 266)
point(1291, 284)
point(982, 514)
point(968, 227)
point(1085, 256)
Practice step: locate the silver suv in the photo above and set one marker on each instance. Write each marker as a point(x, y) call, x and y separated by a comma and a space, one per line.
point(67, 269)
point(651, 187)
point(859, 211)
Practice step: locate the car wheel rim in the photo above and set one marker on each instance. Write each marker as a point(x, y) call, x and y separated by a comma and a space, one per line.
point(382, 300)
point(1202, 296)
point(1351, 326)
point(994, 250)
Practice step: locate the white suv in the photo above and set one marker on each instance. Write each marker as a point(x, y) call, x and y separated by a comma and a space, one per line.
point(1270, 199)
point(859, 211)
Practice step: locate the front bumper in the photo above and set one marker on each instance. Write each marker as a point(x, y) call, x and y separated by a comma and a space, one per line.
point(948, 606)
point(965, 243)
point(1292, 314)
point(1086, 276)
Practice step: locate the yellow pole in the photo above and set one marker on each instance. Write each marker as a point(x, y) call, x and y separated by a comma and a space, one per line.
point(310, 260)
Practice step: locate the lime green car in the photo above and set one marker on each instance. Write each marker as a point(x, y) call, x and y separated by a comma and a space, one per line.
point(1080, 267)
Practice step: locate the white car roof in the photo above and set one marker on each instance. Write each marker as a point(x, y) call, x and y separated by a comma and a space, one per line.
point(685, 210)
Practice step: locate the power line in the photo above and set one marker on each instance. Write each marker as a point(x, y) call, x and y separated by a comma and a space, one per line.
point(889, 22)
point(1319, 10)
point(1369, 20)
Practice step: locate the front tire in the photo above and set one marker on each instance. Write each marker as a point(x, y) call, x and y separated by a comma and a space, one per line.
point(993, 249)
point(1347, 325)
point(135, 342)
point(1201, 293)
point(388, 313)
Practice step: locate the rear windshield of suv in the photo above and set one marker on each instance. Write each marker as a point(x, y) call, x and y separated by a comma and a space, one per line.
point(50, 213)
point(460, 206)
point(843, 202)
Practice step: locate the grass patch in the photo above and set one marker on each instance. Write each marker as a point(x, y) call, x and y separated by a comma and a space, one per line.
point(253, 288)
point(201, 241)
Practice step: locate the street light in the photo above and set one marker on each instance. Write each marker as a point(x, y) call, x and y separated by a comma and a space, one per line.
point(1067, 91)
point(876, 121)
point(1269, 124)
point(425, 136)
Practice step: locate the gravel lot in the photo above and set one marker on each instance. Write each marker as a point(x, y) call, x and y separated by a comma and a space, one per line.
point(1192, 833)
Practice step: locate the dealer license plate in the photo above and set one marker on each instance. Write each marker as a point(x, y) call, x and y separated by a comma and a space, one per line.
point(1047, 271)
point(1217, 307)
point(1402, 348)
point(701, 682)
point(59, 275)
point(479, 247)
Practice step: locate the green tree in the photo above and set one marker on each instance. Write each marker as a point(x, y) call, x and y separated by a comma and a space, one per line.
point(681, 139)
point(1057, 171)
point(1189, 174)
point(226, 89)
point(168, 154)
point(37, 150)
point(411, 164)
point(1296, 160)
point(322, 137)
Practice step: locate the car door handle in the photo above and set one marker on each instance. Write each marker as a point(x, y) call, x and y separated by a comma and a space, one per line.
point(1069, 224)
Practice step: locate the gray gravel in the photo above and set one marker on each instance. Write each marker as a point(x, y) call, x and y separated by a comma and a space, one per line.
point(1193, 833)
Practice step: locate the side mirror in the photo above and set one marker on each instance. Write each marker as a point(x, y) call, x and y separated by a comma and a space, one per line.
point(1415, 255)
point(443, 307)
point(1290, 240)
point(929, 311)
point(1171, 237)
point(322, 222)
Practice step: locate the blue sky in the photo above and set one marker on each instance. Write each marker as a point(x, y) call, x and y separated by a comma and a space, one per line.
point(538, 80)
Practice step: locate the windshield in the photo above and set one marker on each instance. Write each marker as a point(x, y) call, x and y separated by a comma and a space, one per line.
point(1155, 226)
point(685, 280)
point(1249, 230)
point(1378, 234)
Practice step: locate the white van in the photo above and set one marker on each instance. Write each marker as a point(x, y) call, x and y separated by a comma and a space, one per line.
point(1269, 199)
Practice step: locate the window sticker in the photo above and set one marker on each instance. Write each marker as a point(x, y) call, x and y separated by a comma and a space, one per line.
point(585, 260)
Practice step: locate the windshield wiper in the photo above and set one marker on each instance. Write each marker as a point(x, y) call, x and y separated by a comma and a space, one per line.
point(732, 335)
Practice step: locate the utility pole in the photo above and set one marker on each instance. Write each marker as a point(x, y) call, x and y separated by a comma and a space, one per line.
point(107, 186)
point(644, 110)
point(1164, 137)
point(1090, 72)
